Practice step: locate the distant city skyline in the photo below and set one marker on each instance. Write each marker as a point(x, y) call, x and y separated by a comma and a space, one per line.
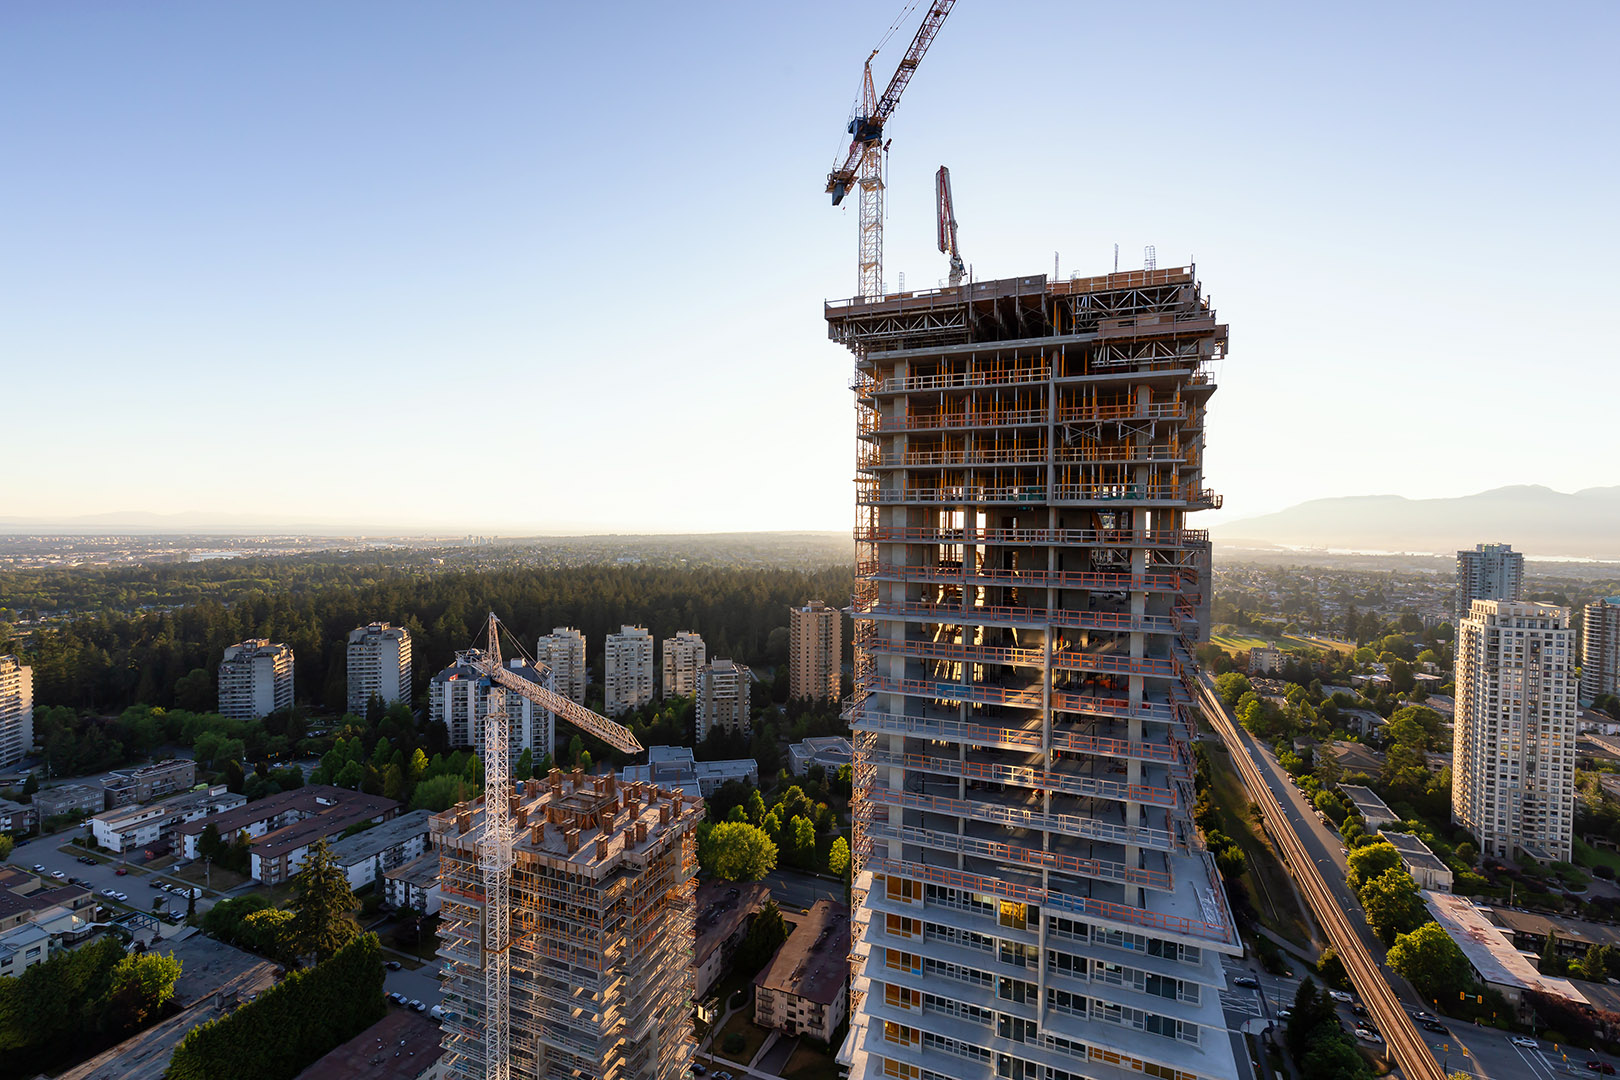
point(350, 266)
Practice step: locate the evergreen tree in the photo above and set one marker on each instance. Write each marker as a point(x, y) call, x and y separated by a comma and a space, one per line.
point(323, 906)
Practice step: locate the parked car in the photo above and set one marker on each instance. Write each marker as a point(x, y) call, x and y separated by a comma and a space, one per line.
point(121, 871)
point(1341, 996)
point(39, 868)
point(1601, 1067)
point(157, 884)
point(396, 998)
point(109, 892)
point(58, 875)
point(392, 965)
point(1524, 1042)
point(1247, 981)
point(1284, 1014)
point(122, 897)
point(1368, 1035)
point(1359, 1009)
point(418, 1006)
point(1436, 1026)
point(87, 860)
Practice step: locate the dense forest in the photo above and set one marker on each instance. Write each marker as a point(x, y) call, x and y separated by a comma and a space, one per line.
point(108, 661)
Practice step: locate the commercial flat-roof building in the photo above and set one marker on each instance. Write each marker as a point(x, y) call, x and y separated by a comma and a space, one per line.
point(149, 782)
point(601, 966)
point(804, 990)
point(1369, 806)
point(1027, 598)
point(379, 665)
point(255, 679)
point(135, 828)
point(831, 752)
point(815, 651)
point(381, 848)
point(563, 651)
point(1513, 757)
point(1489, 572)
point(723, 692)
point(684, 655)
point(16, 710)
point(458, 698)
point(1426, 868)
point(627, 670)
point(673, 768)
point(1600, 648)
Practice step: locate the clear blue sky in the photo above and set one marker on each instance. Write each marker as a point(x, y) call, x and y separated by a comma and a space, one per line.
point(516, 267)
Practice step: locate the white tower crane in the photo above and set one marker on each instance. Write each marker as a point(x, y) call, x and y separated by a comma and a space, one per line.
point(864, 162)
point(495, 847)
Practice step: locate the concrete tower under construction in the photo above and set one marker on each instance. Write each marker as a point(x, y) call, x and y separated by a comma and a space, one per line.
point(601, 931)
point(1033, 901)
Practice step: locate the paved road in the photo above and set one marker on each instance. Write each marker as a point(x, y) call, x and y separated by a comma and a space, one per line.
point(136, 882)
point(795, 891)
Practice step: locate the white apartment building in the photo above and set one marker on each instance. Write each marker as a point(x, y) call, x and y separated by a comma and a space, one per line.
point(684, 654)
point(255, 679)
point(1600, 648)
point(131, 828)
point(722, 698)
point(379, 665)
point(1489, 572)
point(815, 651)
point(1513, 760)
point(563, 651)
point(458, 698)
point(16, 710)
point(627, 670)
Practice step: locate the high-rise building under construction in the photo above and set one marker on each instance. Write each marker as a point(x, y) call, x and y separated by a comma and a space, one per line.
point(1033, 900)
point(601, 932)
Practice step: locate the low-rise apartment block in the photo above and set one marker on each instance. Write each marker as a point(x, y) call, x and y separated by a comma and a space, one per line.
point(414, 886)
point(382, 847)
point(255, 679)
point(805, 989)
point(673, 768)
point(1424, 865)
point(379, 665)
point(15, 817)
point(69, 799)
point(724, 912)
point(831, 752)
point(723, 698)
point(627, 670)
point(149, 782)
point(282, 828)
point(1372, 809)
point(156, 827)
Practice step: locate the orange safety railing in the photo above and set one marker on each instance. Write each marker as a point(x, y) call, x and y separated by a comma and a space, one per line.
point(978, 418)
point(1029, 698)
point(1024, 776)
point(869, 718)
point(965, 379)
point(1017, 817)
point(1103, 869)
point(1166, 538)
point(1063, 659)
point(1082, 620)
point(1162, 410)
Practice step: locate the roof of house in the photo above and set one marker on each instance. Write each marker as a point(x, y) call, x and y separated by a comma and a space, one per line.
point(1489, 950)
point(1367, 803)
point(13, 903)
point(422, 871)
point(1536, 926)
point(183, 803)
point(318, 799)
point(1414, 851)
point(814, 961)
point(400, 1046)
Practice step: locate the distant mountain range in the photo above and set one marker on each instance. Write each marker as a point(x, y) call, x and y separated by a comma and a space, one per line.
point(1535, 520)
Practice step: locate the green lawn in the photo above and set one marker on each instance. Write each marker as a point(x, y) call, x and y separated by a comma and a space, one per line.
point(1587, 855)
point(1236, 643)
point(741, 1023)
point(809, 1063)
point(1270, 891)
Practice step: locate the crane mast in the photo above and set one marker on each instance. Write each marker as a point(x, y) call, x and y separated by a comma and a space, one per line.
point(495, 846)
point(863, 164)
point(947, 224)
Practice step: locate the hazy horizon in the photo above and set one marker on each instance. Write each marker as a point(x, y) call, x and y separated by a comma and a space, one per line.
point(507, 269)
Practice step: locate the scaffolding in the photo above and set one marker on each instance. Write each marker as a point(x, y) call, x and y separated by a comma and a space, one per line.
point(1027, 605)
point(601, 900)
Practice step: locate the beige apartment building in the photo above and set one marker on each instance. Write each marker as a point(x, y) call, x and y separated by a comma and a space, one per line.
point(723, 698)
point(815, 651)
point(16, 710)
point(684, 654)
point(1600, 648)
point(255, 679)
point(379, 665)
point(627, 670)
point(563, 651)
point(1513, 760)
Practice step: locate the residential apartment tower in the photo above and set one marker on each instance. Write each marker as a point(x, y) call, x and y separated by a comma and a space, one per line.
point(627, 670)
point(379, 665)
point(815, 651)
point(255, 679)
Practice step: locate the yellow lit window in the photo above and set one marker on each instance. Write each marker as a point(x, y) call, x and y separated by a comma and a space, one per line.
point(902, 889)
point(900, 1034)
point(900, 997)
point(1014, 915)
point(900, 1070)
point(901, 926)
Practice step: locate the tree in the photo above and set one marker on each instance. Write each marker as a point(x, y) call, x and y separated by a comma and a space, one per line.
point(209, 843)
point(269, 933)
point(352, 775)
point(756, 807)
point(524, 769)
point(141, 985)
point(1431, 962)
point(1232, 686)
point(838, 857)
point(737, 851)
point(393, 786)
point(802, 846)
point(6, 844)
point(322, 906)
point(417, 767)
point(1367, 862)
point(30, 786)
point(1392, 904)
point(765, 935)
